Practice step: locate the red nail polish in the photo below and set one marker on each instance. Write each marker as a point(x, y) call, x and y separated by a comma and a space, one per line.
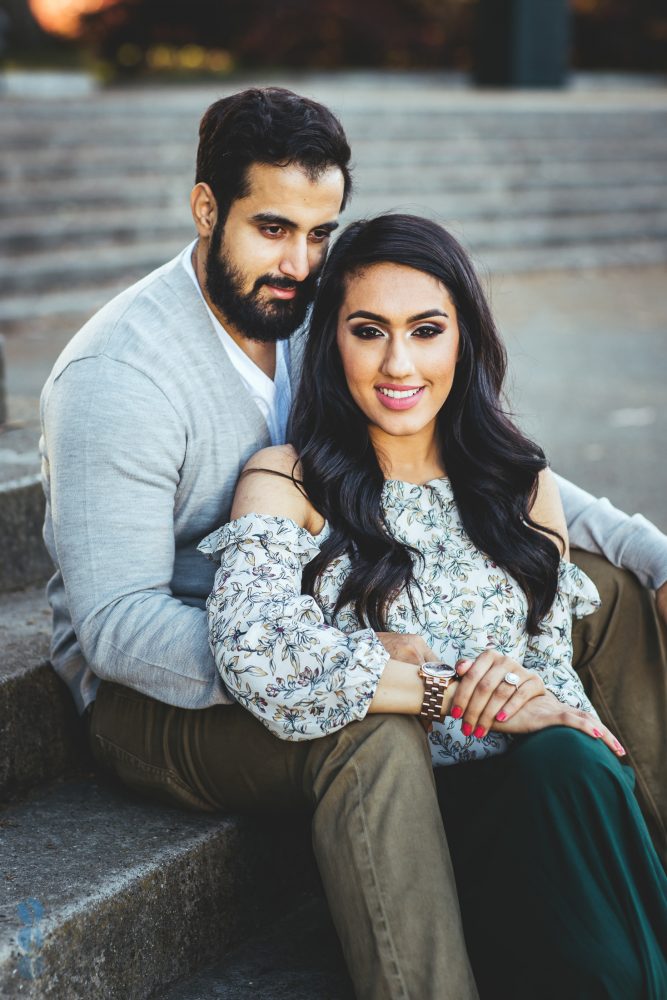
point(619, 748)
point(457, 712)
point(597, 733)
point(466, 729)
point(501, 716)
point(479, 732)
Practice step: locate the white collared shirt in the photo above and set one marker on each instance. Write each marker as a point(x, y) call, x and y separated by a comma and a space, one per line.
point(273, 397)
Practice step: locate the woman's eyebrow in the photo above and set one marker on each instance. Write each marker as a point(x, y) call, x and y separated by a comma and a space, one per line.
point(362, 314)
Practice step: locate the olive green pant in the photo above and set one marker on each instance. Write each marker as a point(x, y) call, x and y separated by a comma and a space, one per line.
point(378, 835)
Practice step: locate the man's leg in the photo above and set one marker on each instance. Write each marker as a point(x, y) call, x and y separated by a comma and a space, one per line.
point(620, 653)
point(377, 832)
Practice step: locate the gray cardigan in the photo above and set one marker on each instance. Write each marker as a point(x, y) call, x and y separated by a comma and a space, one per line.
point(145, 427)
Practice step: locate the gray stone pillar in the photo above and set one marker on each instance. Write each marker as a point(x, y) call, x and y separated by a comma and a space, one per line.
point(3, 398)
point(522, 43)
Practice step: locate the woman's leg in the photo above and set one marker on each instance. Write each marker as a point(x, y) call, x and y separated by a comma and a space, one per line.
point(561, 890)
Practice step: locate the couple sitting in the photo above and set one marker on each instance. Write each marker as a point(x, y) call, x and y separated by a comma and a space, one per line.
point(407, 529)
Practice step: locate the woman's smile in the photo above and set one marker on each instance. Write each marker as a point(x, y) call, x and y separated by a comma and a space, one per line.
point(399, 397)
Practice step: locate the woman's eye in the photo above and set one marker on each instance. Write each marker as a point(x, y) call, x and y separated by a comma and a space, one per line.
point(366, 332)
point(426, 332)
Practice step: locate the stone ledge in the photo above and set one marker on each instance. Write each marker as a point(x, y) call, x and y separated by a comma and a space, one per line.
point(41, 736)
point(24, 557)
point(104, 896)
point(298, 959)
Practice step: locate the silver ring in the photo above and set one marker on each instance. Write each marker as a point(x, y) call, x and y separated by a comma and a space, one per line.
point(512, 679)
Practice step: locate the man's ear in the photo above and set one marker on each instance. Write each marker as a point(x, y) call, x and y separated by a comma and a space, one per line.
point(204, 209)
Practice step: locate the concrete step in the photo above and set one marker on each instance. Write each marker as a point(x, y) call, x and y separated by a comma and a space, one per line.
point(43, 272)
point(481, 194)
point(19, 314)
point(24, 558)
point(106, 897)
point(41, 737)
point(298, 958)
point(160, 159)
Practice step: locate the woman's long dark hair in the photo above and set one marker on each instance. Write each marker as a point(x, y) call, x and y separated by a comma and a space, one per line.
point(492, 466)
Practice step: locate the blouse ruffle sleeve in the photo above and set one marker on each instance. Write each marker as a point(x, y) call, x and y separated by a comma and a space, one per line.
point(275, 652)
point(550, 652)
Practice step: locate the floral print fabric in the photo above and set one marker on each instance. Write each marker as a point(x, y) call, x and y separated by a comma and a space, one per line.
point(305, 671)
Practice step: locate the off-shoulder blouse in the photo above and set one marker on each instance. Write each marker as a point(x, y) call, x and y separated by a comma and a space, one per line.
point(304, 671)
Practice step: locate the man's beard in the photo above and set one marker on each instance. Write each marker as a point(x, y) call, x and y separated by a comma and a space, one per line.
point(257, 319)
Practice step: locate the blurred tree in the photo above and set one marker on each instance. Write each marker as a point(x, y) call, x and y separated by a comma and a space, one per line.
point(298, 33)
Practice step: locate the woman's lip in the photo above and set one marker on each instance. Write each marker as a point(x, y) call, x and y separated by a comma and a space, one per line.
point(282, 293)
point(399, 403)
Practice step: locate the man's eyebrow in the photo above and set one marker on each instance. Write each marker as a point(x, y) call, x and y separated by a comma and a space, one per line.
point(362, 314)
point(271, 219)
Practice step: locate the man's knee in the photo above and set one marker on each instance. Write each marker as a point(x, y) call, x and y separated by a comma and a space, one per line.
point(382, 750)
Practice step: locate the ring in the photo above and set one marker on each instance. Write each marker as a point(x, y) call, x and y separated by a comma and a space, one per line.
point(512, 679)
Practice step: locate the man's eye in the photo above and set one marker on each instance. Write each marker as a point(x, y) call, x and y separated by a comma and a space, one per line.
point(320, 235)
point(426, 332)
point(272, 231)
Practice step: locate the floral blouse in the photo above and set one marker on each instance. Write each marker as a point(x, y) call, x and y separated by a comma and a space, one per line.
point(304, 671)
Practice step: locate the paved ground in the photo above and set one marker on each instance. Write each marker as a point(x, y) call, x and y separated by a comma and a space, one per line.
point(588, 353)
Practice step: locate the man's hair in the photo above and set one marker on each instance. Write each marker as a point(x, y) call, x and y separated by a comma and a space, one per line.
point(269, 125)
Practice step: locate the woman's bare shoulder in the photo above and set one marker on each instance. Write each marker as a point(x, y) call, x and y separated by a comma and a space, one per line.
point(269, 484)
point(547, 510)
point(280, 458)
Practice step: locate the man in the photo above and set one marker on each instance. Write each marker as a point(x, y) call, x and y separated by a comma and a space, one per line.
point(148, 416)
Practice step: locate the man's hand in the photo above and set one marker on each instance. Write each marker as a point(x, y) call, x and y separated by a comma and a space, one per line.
point(408, 648)
point(661, 601)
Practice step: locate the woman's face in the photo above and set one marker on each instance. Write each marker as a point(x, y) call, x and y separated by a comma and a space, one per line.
point(398, 338)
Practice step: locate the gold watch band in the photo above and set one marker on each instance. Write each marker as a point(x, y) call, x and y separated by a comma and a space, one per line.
point(434, 693)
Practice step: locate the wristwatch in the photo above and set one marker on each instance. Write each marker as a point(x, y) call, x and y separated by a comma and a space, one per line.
point(437, 677)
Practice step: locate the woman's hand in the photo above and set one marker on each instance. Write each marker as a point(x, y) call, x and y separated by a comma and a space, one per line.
point(483, 698)
point(546, 710)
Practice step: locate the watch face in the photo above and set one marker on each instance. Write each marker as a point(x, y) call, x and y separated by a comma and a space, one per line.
point(440, 670)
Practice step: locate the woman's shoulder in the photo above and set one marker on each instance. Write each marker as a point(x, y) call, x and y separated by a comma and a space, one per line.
point(270, 484)
point(547, 510)
point(280, 458)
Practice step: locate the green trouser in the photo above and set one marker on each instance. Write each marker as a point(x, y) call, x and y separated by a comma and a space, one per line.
point(380, 846)
point(561, 891)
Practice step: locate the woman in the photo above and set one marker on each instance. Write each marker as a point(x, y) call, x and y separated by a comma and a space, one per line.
point(409, 503)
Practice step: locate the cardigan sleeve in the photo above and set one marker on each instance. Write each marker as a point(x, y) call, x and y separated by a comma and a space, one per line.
point(276, 654)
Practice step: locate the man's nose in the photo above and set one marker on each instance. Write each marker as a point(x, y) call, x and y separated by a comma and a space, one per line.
point(397, 362)
point(295, 263)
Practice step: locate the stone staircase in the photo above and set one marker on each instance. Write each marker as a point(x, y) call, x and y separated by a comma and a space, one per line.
point(104, 896)
point(94, 190)
point(101, 894)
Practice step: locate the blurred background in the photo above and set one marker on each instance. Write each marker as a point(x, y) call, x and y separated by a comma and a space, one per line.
point(535, 129)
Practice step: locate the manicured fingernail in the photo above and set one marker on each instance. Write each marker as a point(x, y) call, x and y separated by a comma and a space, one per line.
point(457, 712)
point(462, 665)
point(501, 716)
point(466, 728)
point(597, 733)
point(479, 732)
point(619, 749)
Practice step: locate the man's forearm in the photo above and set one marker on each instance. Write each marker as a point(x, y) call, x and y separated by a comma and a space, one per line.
point(632, 543)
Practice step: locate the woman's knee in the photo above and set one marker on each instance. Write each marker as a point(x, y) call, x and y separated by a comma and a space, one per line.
point(560, 755)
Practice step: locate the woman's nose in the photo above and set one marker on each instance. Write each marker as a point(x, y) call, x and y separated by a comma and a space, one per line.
point(397, 362)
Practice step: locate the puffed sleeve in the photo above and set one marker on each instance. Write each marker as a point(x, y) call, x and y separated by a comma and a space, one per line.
point(550, 652)
point(275, 653)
